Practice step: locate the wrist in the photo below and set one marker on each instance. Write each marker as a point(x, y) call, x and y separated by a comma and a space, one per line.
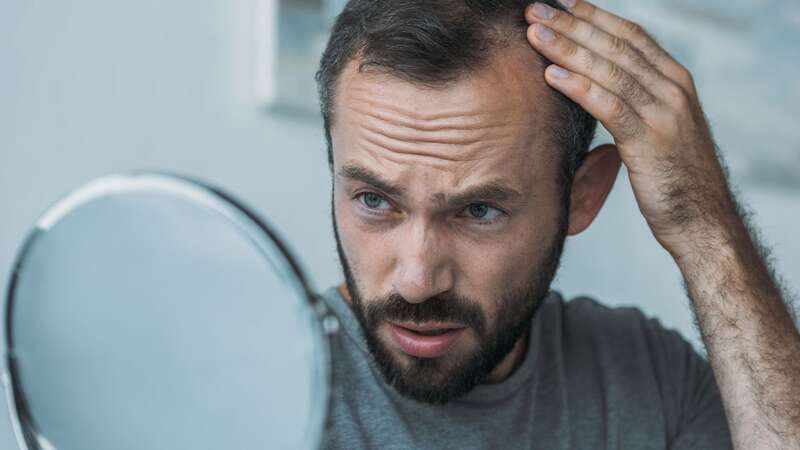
point(716, 240)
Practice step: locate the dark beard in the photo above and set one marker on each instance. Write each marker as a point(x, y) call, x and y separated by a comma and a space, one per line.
point(439, 380)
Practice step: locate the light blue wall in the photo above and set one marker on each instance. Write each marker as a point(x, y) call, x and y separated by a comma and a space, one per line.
point(89, 87)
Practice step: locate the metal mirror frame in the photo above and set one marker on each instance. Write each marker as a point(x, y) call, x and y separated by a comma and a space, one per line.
point(264, 237)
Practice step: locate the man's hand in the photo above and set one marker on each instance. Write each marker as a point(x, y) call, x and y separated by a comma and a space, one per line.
point(649, 104)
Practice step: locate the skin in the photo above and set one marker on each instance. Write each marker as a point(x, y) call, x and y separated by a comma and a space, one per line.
point(436, 144)
point(649, 104)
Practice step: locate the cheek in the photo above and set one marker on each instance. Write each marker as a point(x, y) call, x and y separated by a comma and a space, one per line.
point(367, 251)
point(491, 270)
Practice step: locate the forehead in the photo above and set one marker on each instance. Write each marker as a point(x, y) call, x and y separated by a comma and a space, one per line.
point(492, 124)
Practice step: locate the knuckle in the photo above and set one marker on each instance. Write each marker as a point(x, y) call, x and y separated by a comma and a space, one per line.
point(594, 34)
point(585, 88)
point(638, 59)
point(617, 108)
point(616, 73)
point(589, 11)
point(572, 23)
point(684, 76)
point(572, 51)
point(632, 28)
point(676, 96)
point(618, 46)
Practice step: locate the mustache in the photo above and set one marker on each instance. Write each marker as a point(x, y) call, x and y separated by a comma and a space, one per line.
point(448, 307)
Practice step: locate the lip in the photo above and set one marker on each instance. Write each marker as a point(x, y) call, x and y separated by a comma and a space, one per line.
point(421, 346)
point(428, 326)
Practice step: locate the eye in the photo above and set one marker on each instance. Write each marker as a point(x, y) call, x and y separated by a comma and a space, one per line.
point(482, 211)
point(373, 201)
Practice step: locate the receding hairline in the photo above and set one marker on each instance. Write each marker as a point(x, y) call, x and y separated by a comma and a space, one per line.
point(357, 65)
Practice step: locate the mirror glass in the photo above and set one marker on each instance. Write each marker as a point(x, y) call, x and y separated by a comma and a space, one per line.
point(148, 311)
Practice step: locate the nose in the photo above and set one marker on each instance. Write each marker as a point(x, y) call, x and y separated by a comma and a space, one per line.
point(423, 267)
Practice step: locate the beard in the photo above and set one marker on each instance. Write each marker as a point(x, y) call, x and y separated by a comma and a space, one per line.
point(439, 380)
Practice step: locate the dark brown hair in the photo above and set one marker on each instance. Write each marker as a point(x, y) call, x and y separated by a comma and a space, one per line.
point(434, 42)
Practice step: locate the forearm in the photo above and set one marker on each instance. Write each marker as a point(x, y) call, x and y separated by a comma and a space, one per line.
point(752, 342)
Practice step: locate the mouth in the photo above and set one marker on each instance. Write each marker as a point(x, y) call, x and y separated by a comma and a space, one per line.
point(428, 340)
point(432, 332)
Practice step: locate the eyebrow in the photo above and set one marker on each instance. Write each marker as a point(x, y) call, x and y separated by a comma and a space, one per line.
point(489, 191)
point(367, 176)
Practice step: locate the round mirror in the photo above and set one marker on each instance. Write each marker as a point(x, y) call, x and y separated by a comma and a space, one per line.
point(149, 311)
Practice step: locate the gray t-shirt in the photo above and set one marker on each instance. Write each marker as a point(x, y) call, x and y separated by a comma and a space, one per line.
point(593, 377)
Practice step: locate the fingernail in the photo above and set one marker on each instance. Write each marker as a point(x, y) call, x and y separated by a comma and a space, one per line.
point(542, 11)
point(544, 33)
point(567, 3)
point(558, 72)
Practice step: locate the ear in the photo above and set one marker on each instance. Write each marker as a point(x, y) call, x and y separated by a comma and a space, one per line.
point(591, 185)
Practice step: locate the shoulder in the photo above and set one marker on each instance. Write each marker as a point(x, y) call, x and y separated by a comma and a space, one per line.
point(628, 359)
point(623, 345)
point(584, 319)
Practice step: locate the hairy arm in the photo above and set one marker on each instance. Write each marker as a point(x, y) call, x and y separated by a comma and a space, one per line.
point(649, 104)
point(752, 341)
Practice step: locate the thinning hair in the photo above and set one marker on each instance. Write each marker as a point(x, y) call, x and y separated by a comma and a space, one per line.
point(436, 42)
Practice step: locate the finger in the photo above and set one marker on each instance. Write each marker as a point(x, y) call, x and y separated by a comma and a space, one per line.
point(617, 116)
point(635, 34)
point(580, 60)
point(615, 49)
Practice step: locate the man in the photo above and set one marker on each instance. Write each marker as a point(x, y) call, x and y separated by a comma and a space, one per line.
point(457, 134)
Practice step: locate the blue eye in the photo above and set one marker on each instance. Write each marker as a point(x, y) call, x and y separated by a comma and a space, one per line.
point(482, 211)
point(372, 200)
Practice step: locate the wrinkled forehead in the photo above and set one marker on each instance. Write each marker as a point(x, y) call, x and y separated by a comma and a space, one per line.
point(493, 124)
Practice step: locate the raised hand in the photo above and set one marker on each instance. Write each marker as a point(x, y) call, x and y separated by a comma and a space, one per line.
point(648, 102)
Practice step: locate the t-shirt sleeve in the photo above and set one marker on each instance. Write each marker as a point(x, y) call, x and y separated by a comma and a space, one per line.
point(691, 398)
point(652, 378)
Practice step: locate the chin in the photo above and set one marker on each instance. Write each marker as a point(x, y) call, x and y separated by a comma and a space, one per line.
point(428, 380)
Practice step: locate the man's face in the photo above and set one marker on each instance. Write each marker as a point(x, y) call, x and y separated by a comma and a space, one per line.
point(448, 217)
